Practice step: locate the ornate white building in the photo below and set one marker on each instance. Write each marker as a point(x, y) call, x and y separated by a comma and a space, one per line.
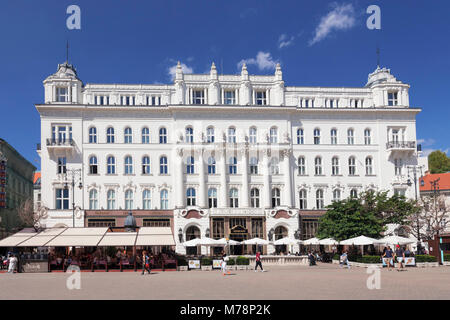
point(236, 156)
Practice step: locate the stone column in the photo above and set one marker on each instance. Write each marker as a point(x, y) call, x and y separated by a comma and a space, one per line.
point(267, 194)
point(179, 178)
point(223, 179)
point(287, 177)
point(245, 191)
point(202, 183)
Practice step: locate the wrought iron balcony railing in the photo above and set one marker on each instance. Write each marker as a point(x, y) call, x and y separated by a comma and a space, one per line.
point(401, 145)
point(58, 142)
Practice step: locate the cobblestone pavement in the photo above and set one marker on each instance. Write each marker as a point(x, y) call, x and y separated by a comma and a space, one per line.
point(325, 281)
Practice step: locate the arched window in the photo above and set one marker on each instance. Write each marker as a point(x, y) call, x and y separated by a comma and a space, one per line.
point(111, 200)
point(335, 166)
point(232, 165)
point(301, 166)
point(162, 135)
point(189, 135)
point(318, 166)
point(93, 166)
point(128, 135)
point(280, 233)
point(163, 169)
point(128, 200)
point(352, 166)
point(146, 165)
point(190, 165)
point(190, 197)
point(369, 169)
point(210, 135)
point(110, 135)
point(350, 136)
point(276, 197)
point(252, 135)
point(303, 199)
point(319, 199)
point(93, 199)
point(111, 165)
point(128, 165)
point(316, 136)
point(192, 232)
point(211, 165)
point(353, 193)
point(254, 198)
point(367, 138)
point(146, 200)
point(231, 135)
point(253, 165)
point(333, 134)
point(212, 198)
point(164, 197)
point(92, 135)
point(273, 135)
point(300, 136)
point(234, 198)
point(274, 166)
point(336, 195)
point(145, 135)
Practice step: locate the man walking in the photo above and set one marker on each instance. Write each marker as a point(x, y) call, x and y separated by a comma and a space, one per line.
point(12, 264)
point(344, 259)
point(224, 263)
point(258, 262)
point(400, 257)
point(145, 262)
point(387, 256)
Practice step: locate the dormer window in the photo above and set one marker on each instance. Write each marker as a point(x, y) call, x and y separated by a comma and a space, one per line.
point(153, 100)
point(260, 98)
point(198, 96)
point(127, 100)
point(62, 94)
point(229, 97)
point(392, 98)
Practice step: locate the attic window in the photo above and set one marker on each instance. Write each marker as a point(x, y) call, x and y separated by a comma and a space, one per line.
point(62, 94)
point(392, 98)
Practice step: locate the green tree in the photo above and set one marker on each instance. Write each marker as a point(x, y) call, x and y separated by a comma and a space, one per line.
point(438, 162)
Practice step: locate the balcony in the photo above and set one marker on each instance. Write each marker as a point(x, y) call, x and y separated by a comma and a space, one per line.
point(396, 147)
point(67, 145)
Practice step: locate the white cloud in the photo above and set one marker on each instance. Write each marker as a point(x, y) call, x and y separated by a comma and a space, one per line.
point(173, 69)
point(342, 17)
point(426, 142)
point(263, 61)
point(285, 41)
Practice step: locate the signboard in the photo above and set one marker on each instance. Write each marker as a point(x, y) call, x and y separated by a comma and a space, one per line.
point(217, 264)
point(194, 264)
point(410, 261)
point(2, 184)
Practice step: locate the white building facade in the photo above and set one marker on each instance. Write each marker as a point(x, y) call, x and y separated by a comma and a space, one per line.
point(235, 156)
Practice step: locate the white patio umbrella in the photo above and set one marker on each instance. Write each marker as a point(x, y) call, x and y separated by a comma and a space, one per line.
point(256, 241)
point(360, 241)
point(312, 241)
point(287, 241)
point(192, 243)
point(230, 242)
point(396, 240)
point(328, 242)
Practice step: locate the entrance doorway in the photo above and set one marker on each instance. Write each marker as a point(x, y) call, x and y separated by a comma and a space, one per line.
point(191, 233)
point(280, 233)
point(238, 233)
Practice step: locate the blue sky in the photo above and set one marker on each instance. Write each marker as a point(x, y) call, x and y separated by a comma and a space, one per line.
point(318, 43)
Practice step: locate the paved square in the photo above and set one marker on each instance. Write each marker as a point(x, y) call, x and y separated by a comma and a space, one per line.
point(324, 281)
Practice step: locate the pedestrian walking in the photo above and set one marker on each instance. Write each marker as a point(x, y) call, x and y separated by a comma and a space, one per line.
point(12, 264)
point(387, 257)
point(224, 263)
point(145, 262)
point(400, 257)
point(343, 259)
point(258, 262)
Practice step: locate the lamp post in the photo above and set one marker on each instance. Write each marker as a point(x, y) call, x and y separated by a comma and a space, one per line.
point(414, 169)
point(73, 173)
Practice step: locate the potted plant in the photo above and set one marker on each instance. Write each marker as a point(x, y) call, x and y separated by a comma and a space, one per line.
point(231, 264)
point(206, 264)
point(182, 264)
point(242, 262)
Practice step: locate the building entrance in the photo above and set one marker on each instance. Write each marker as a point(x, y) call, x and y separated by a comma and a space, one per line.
point(238, 233)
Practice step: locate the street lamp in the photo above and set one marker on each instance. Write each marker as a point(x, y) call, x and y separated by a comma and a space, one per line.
point(73, 173)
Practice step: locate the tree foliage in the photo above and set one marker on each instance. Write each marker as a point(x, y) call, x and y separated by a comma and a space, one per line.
point(438, 162)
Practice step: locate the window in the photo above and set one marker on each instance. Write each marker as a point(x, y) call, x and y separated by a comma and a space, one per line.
point(62, 94)
point(190, 163)
point(156, 223)
point(164, 197)
point(145, 135)
point(146, 165)
point(229, 97)
point(110, 135)
point(319, 199)
point(218, 228)
point(92, 135)
point(316, 136)
point(210, 135)
point(300, 136)
point(254, 198)
point(399, 192)
point(303, 202)
point(252, 135)
point(62, 199)
point(127, 100)
point(111, 165)
point(163, 169)
point(212, 198)
point(211, 165)
point(189, 135)
point(257, 228)
point(231, 135)
point(335, 166)
point(318, 166)
point(273, 135)
point(336, 195)
point(163, 135)
point(198, 96)
point(128, 165)
point(392, 98)
point(301, 166)
point(111, 200)
point(128, 200)
point(274, 166)
point(352, 166)
point(333, 134)
point(276, 197)
point(59, 134)
point(62, 165)
point(367, 137)
point(93, 199)
point(232, 165)
point(353, 193)
point(253, 165)
point(369, 170)
point(234, 198)
point(128, 137)
point(260, 97)
point(190, 197)
point(398, 163)
point(350, 136)
point(146, 199)
point(93, 167)
point(395, 135)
